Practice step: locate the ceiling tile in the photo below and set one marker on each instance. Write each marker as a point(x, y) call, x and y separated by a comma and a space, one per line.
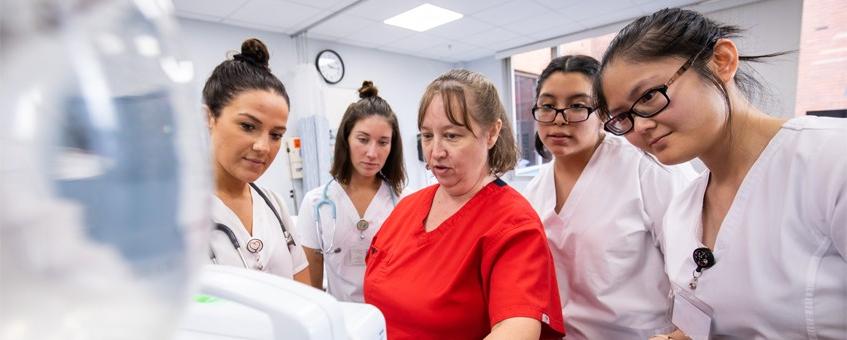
point(488, 26)
point(323, 4)
point(549, 22)
point(341, 25)
point(379, 10)
point(416, 42)
point(427, 55)
point(559, 4)
point(360, 43)
point(393, 49)
point(215, 8)
point(476, 54)
point(263, 27)
point(377, 34)
point(598, 8)
point(497, 39)
point(451, 49)
point(461, 28)
point(319, 36)
point(494, 38)
point(468, 7)
point(510, 12)
point(558, 31)
point(611, 17)
point(278, 14)
point(203, 17)
point(451, 52)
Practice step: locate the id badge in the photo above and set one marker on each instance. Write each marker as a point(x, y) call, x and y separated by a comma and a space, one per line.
point(692, 316)
point(356, 257)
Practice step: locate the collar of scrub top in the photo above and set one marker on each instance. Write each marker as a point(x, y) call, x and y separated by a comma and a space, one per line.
point(326, 201)
point(288, 238)
point(234, 240)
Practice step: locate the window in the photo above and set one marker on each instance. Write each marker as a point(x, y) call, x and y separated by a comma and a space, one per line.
point(524, 124)
point(526, 67)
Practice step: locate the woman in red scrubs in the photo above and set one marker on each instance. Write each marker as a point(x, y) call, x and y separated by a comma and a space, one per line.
point(466, 258)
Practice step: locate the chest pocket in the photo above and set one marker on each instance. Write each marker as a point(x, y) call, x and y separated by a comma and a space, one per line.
point(378, 258)
point(613, 259)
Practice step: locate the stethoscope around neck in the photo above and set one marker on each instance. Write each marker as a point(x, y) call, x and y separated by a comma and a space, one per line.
point(361, 225)
point(254, 245)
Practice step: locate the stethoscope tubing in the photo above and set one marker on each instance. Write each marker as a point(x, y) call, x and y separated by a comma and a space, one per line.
point(233, 240)
point(319, 226)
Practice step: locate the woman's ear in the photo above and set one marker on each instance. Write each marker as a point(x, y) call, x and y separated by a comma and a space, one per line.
point(209, 118)
point(725, 60)
point(494, 133)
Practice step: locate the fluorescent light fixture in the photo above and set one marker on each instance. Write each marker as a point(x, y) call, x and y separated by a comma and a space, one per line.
point(423, 17)
point(840, 35)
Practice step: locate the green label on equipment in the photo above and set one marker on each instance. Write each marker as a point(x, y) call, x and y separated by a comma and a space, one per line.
point(205, 298)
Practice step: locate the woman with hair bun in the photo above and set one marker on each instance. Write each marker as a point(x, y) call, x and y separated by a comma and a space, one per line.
point(339, 219)
point(247, 110)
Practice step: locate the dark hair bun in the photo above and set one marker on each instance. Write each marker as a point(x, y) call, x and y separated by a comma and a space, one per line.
point(367, 90)
point(255, 51)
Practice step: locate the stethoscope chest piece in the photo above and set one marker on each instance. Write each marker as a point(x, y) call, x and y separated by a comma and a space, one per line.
point(255, 245)
point(362, 225)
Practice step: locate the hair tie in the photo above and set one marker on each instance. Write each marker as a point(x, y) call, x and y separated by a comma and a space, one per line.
point(248, 59)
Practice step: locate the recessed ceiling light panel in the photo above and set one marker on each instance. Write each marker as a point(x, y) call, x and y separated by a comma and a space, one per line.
point(423, 17)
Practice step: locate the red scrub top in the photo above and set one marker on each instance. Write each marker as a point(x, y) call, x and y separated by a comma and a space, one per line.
point(486, 263)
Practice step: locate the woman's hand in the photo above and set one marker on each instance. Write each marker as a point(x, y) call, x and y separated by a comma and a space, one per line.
point(518, 328)
point(303, 277)
point(675, 335)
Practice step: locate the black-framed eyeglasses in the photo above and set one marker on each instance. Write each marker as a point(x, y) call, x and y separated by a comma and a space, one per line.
point(651, 103)
point(572, 114)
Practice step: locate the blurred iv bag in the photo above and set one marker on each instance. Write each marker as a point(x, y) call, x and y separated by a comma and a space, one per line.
point(104, 178)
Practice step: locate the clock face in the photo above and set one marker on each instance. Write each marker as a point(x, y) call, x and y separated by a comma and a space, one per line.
point(330, 66)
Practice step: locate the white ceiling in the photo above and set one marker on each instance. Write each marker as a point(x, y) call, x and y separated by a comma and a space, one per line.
point(488, 26)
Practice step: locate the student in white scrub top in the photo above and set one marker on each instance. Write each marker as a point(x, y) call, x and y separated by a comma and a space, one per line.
point(602, 201)
point(339, 219)
point(247, 109)
point(768, 219)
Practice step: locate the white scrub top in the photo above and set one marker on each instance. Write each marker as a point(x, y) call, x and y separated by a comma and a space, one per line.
point(605, 241)
point(781, 252)
point(345, 270)
point(275, 257)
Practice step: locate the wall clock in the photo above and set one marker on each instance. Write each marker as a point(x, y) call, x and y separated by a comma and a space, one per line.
point(330, 66)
